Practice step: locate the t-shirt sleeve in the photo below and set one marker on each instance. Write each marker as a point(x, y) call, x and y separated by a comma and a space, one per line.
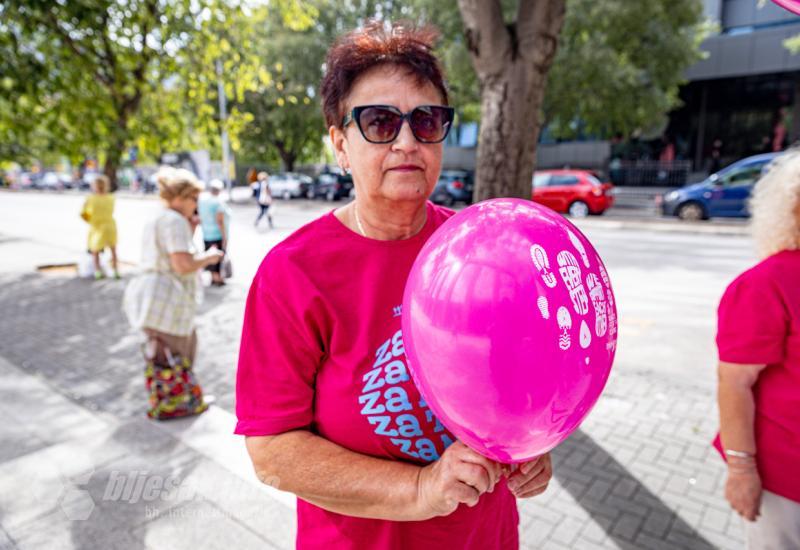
point(279, 356)
point(175, 235)
point(752, 323)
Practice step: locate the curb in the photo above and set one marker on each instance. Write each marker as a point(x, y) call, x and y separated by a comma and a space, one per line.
point(687, 228)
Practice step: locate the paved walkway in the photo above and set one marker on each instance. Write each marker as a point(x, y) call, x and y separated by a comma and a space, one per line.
point(80, 466)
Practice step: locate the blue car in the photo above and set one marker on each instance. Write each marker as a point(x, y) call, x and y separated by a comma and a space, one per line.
point(724, 194)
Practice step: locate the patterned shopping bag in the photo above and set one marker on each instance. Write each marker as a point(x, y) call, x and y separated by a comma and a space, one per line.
point(174, 391)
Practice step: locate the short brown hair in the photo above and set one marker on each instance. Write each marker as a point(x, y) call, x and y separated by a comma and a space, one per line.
point(378, 43)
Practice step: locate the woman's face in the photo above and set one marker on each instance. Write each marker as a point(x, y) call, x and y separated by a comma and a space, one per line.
point(185, 205)
point(405, 169)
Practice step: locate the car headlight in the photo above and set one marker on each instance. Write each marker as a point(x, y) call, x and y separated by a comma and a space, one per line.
point(671, 196)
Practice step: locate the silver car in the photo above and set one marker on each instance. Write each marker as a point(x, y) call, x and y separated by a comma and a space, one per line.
point(288, 185)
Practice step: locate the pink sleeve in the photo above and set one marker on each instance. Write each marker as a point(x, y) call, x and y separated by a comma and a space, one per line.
point(752, 324)
point(278, 358)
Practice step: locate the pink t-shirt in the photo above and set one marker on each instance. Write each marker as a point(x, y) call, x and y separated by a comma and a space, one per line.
point(322, 350)
point(759, 323)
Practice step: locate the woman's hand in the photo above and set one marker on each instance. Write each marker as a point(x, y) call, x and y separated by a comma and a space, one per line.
point(743, 490)
point(531, 478)
point(460, 475)
point(213, 256)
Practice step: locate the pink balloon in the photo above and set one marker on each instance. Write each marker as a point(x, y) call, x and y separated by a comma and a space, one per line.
point(791, 5)
point(509, 327)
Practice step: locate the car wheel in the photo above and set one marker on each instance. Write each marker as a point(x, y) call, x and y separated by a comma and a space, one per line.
point(578, 209)
point(691, 212)
point(448, 201)
point(330, 196)
point(286, 196)
point(310, 194)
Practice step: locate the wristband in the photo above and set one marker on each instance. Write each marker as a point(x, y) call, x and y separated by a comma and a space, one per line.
point(739, 454)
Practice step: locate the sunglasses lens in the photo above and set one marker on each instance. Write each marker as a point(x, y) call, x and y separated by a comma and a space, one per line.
point(431, 123)
point(380, 124)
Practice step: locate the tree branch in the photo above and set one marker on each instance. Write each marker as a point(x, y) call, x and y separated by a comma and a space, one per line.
point(92, 58)
point(488, 39)
point(539, 23)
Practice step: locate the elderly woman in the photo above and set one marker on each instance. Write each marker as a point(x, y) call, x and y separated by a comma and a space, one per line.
point(324, 394)
point(759, 369)
point(161, 301)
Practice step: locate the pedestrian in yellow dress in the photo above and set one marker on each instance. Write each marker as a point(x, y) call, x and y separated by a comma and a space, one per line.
point(98, 212)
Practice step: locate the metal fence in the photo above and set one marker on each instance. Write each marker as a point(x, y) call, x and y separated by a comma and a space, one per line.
point(649, 173)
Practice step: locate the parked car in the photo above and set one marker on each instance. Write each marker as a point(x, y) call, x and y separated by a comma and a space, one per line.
point(453, 186)
point(724, 194)
point(287, 185)
point(574, 192)
point(54, 181)
point(332, 186)
point(239, 194)
point(88, 179)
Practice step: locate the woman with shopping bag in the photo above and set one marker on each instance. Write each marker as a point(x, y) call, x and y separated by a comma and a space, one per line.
point(162, 300)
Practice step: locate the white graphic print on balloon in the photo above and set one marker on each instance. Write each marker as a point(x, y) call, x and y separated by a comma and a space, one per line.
point(564, 324)
point(571, 274)
point(579, 247)
point(599, 302)
point(612, 317)
point(586, 335)
point(542, 263)
point(544, 306)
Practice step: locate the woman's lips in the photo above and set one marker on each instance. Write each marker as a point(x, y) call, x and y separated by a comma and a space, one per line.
point(405, 168)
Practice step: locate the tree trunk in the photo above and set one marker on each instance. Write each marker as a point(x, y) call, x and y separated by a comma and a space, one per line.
point(288, 157)
point(512, 62)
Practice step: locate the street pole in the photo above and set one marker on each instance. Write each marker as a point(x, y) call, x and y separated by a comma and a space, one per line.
point(223, 117)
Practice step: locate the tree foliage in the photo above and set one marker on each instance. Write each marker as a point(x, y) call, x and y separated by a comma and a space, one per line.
point(620, 64)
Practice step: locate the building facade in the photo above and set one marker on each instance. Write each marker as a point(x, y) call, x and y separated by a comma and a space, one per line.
point(743, 98)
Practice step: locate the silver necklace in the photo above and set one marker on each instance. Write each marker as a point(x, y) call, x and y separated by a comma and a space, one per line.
point(358, 221)
point(361, 227)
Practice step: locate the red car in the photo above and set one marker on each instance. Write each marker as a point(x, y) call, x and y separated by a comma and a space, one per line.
point(574, 192)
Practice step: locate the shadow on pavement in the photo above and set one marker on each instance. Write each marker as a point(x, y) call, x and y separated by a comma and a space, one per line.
point(618, 501)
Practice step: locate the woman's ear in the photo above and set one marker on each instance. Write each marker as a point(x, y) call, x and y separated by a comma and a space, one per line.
point(338, 141)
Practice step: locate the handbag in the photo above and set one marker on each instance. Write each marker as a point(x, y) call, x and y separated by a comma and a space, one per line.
point(172, 385)
point(226, 269)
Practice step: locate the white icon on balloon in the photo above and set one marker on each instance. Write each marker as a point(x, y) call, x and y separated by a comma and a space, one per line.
point(544, 306)
point(586, 335)
point(542, 263)
point(564, 323)
point(571, 274)
point(579, 247)
point(597, 296)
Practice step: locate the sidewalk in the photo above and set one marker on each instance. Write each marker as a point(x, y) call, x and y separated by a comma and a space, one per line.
point(75, 443)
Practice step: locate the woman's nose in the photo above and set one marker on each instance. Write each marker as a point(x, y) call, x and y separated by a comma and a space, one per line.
point(405, 139)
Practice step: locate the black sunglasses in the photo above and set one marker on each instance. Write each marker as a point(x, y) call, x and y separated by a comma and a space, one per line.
point(382, 123)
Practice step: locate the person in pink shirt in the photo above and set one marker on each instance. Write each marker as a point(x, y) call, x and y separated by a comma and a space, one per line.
point(323, 392)
point(759, 370)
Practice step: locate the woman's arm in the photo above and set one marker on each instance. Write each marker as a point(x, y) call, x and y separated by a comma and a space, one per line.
point(737, 432)
point(346, 482)
point(220, 219)
point(184, 263)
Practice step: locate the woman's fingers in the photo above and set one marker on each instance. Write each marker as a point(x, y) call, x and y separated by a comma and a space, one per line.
point(532, 477)
point(493, 469)
point(464, 493)
point(475, 476)
point(536, 485)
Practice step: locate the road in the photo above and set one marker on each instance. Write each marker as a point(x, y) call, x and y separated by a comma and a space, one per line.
point(667, 283)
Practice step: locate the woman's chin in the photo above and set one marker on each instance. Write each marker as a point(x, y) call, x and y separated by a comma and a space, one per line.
point(406, 191)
